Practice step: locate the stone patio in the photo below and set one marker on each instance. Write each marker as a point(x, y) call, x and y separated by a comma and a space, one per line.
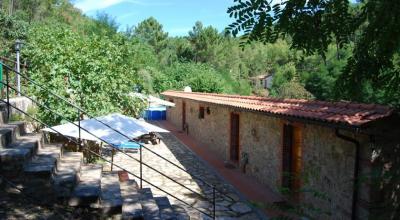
point(172, 149)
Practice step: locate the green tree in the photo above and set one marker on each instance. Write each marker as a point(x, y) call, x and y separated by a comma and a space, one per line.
point(200, 77)
point(151, 32)
point(314, 25)
point(11, 28)
point(204, 41)
point(91, 71)
point(103, 25)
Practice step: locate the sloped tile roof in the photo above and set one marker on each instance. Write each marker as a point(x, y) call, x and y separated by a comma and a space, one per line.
point(352, 114)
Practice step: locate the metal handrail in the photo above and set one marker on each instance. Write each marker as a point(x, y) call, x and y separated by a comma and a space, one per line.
point(111, 145)
point(12, 61)
point(111, 162)
point(80, 110)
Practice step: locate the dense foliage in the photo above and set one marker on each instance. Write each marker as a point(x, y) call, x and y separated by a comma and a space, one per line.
point(370, 28)
point(93, 72)
point(90, 62)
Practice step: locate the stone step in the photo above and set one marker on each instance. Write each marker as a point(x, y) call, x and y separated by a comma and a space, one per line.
point(145, 193)
point(3, 110)
point(16, 154)
point(131, 207)
point(149, 205)
point(8, 134)
point(21, 127)
point(51, 149)
point(111, 199)
point(38, 137)
point(87, 192)
point(3, 117)
point(17, 129)
point(43, 164)
point(166, 211)
point(66, 175)
point(180, 212)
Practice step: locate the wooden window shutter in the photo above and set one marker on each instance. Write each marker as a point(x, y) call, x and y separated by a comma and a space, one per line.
point(287, 156)
point(201, 112)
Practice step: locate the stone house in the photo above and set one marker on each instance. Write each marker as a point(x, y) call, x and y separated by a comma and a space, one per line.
point(320, 152)
point(262, 81)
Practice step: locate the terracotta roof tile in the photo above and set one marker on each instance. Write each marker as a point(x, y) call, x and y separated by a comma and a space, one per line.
point(353, 114)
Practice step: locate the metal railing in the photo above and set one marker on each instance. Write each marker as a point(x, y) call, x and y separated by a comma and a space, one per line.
point(80, 113)
point(108, 161)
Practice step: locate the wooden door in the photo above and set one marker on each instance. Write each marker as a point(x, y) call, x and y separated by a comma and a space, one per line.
point(297, 159)
point(183, 115)
point(234, 138)
point(292, 159)
point(287, 156)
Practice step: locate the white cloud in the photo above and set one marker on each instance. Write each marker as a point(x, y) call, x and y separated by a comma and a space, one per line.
point(94, 5)
point(127, 15)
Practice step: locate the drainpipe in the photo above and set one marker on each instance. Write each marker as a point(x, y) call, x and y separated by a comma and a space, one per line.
point(356, 170)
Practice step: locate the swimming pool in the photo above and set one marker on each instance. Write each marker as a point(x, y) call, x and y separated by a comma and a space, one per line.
point(155, 113)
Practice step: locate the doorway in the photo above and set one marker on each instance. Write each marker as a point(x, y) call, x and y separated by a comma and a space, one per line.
point(292, 159)
point(234, 138)
point(183, 116)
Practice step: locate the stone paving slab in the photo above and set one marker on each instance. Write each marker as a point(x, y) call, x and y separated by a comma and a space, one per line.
point(166, 211)
point(150, 209)
point(172, 149)
point(131, 208)
point(88, 189)
point(149, 205)
point(111, 199)
point(66, 175)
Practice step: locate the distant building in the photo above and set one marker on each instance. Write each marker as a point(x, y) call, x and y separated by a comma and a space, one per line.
point(298, 144)
point(262, 81)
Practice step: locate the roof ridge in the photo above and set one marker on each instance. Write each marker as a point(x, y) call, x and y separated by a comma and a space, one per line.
point(293, 101)
point(345, 112)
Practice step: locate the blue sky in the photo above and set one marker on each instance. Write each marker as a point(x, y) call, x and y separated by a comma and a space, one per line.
point(177, 16)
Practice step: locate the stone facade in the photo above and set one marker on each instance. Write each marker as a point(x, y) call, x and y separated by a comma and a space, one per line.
point(327, 161)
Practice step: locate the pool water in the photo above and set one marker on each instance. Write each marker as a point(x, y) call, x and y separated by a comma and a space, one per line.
point(128, 145)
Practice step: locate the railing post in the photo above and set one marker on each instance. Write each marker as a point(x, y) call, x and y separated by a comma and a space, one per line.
point(112, 158)
point(8, 93)
point(79, 130)
point(141, 171)
point(214, 203)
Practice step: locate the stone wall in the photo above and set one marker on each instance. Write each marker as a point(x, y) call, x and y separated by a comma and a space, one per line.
point(203, 130)
point(22, 103)
point(328, 167)
point(328, 161)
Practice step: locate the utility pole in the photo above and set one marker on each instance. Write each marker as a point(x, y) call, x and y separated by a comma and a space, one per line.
point(17, 49)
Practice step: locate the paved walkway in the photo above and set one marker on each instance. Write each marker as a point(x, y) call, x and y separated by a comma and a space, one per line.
point(201, 194)
point(246, 185)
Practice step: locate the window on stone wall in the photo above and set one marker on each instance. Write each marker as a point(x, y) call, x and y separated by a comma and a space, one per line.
point(171, 100)
point(201, 112)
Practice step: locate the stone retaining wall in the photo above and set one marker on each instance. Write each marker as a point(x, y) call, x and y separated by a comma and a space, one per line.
point(22, 103)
